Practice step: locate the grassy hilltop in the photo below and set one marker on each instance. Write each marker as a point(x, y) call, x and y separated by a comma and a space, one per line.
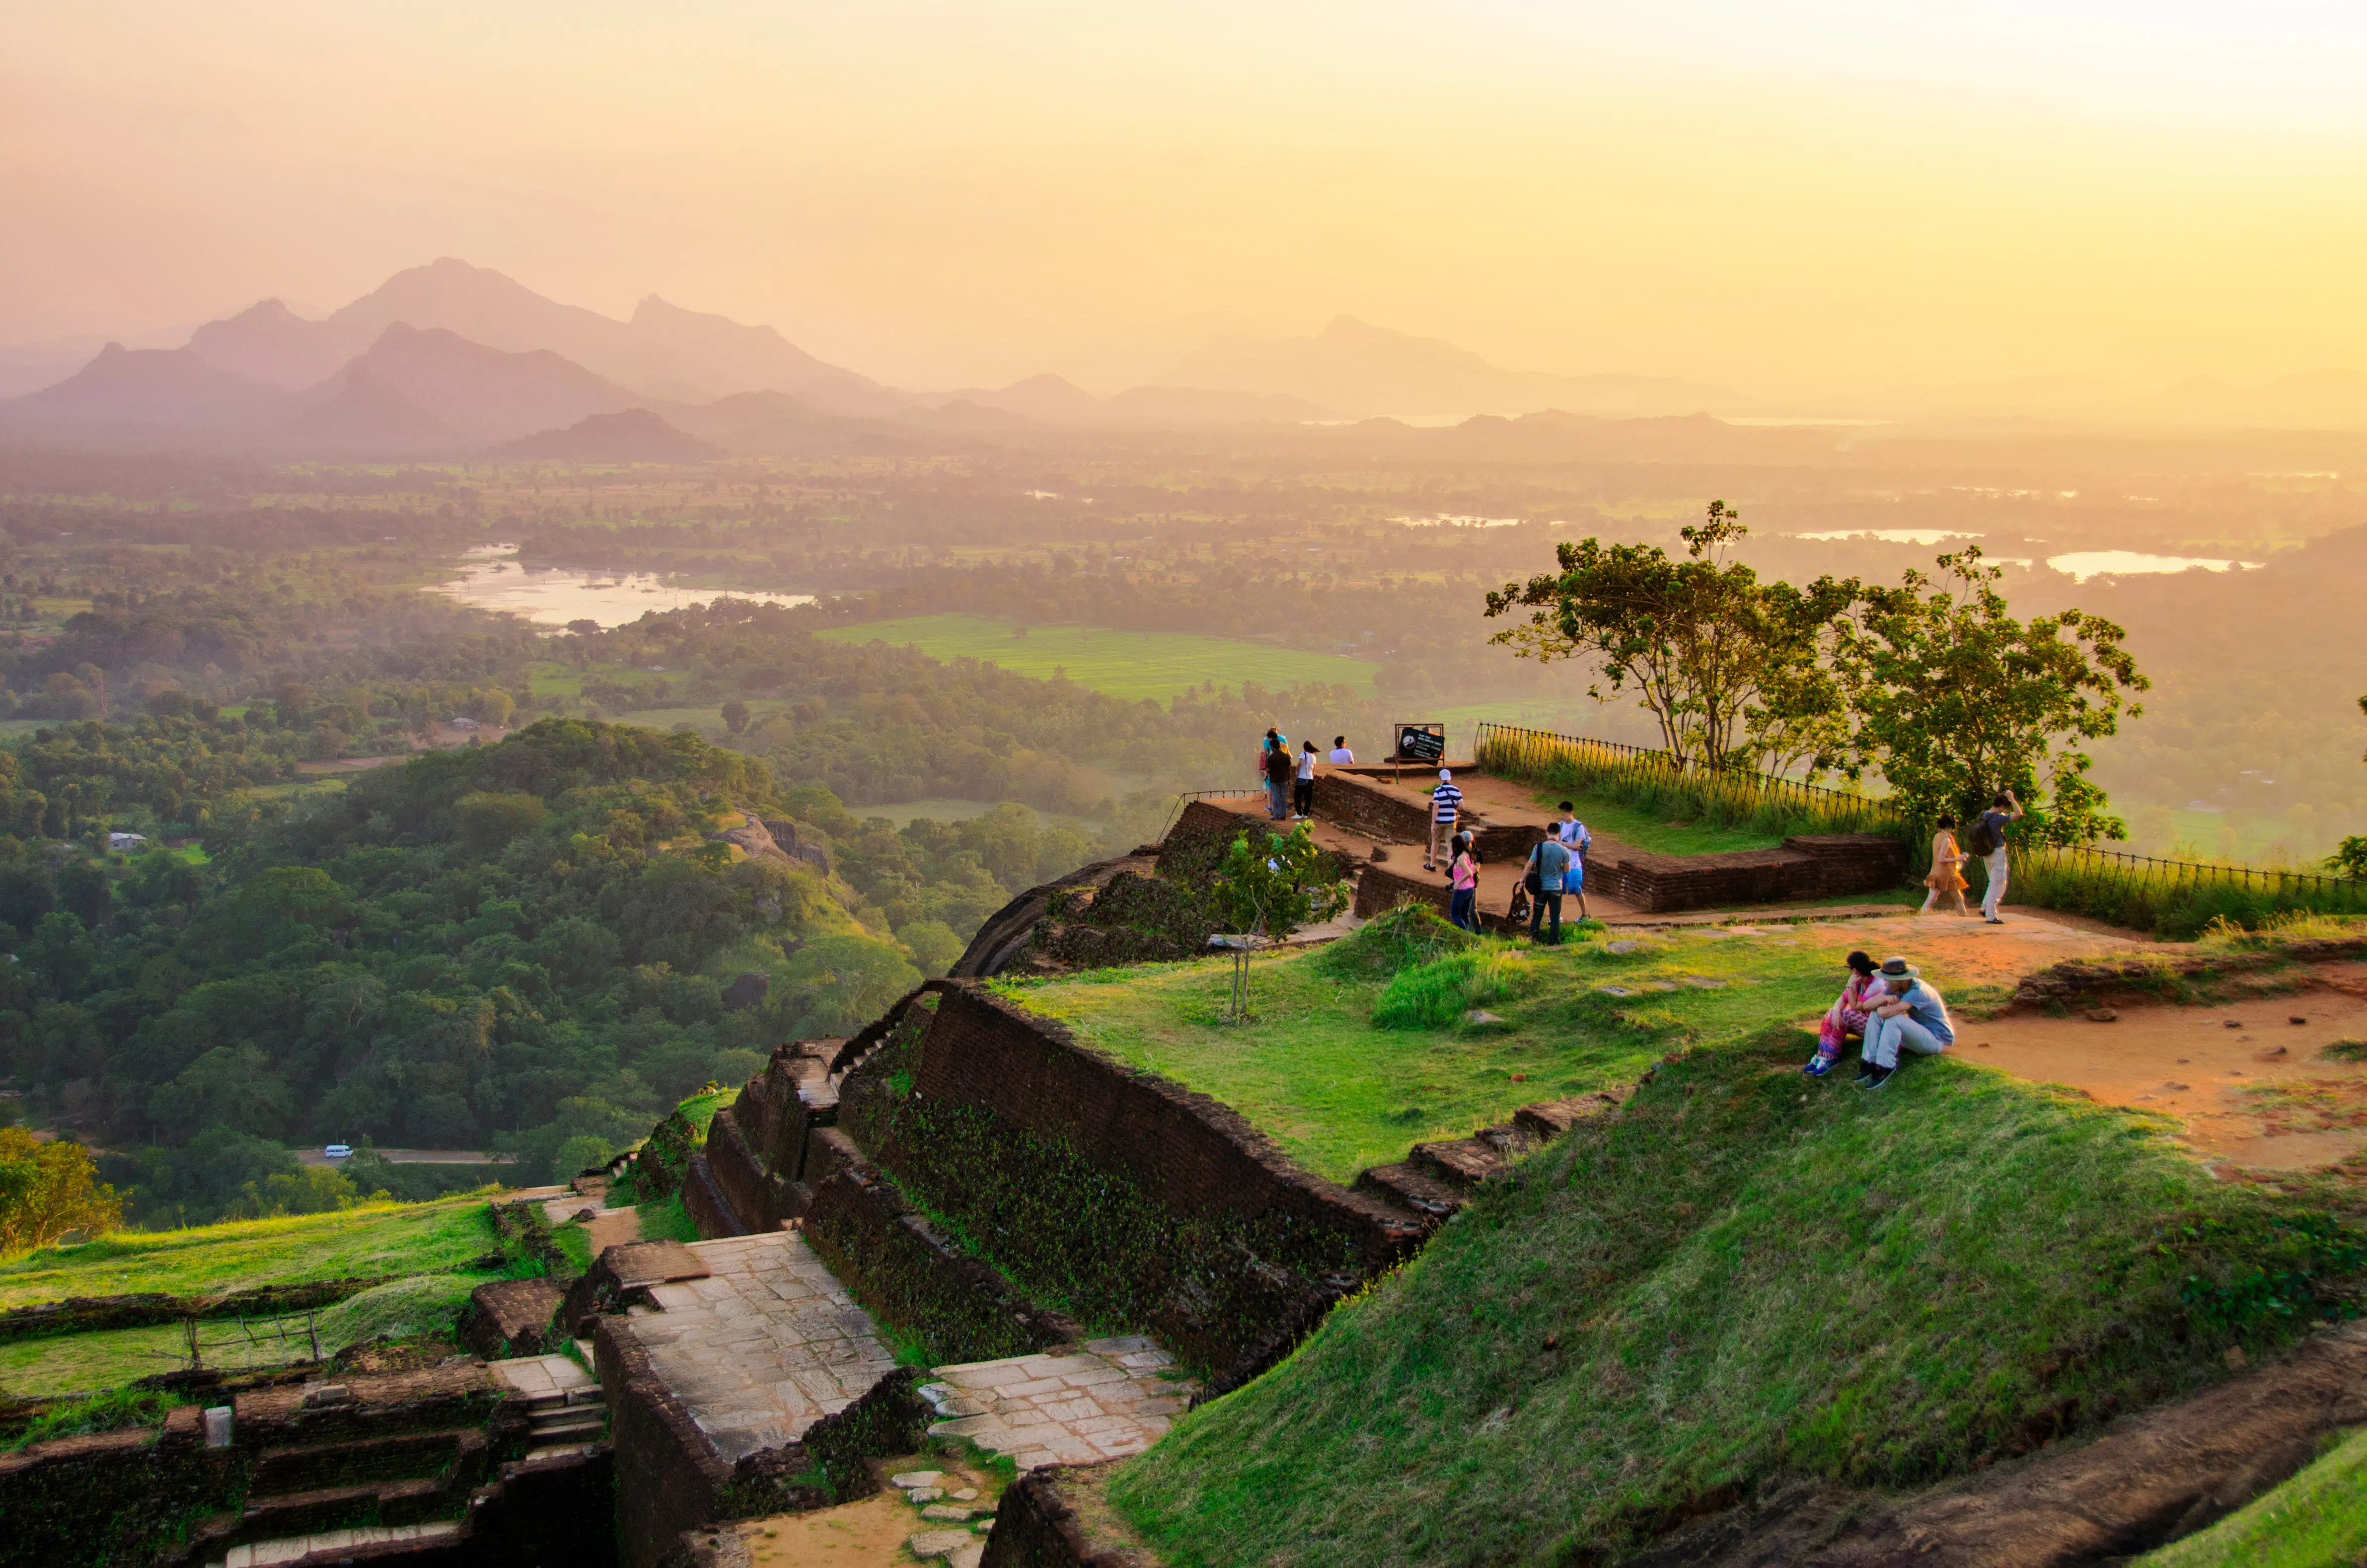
point(1744, 1275)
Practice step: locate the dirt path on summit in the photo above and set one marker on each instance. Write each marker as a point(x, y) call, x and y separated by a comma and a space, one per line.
point(2249, 1082)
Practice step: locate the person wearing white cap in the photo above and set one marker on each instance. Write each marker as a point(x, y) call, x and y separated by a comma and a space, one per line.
point(1912, 1015)
point(1445, 807)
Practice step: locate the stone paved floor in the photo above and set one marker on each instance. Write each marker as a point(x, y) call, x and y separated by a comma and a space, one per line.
point(541, 1374)
point(765, 1346)
point(1104, 1403)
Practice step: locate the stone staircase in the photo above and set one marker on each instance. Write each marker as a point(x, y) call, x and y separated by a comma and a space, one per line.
point(353, 1486)
point(1437, 1180)
point(398, 1467)
point(564, 1412)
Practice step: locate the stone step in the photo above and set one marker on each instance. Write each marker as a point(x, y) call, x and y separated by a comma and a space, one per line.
point(1461, 1162)
point(558, 1451)
point(1408, 1188)
point(330, 1545)
point(563, 1424)
point(341, 1507)
point(1548, 1120)
point(363, 1462)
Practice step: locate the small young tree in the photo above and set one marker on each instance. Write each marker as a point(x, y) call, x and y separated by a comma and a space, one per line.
point(1956, 700)
point(1733, 670)
point(1267, 888)
point(48, 1190)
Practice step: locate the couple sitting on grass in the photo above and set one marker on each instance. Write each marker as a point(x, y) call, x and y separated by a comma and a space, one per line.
point(1893, 1009)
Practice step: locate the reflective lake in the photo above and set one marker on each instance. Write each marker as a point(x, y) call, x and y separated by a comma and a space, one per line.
point(2081, 565)
point(1892, 535)
point(492, 579)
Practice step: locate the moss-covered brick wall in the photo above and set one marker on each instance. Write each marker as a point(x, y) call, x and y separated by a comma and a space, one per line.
point(1113, 1196)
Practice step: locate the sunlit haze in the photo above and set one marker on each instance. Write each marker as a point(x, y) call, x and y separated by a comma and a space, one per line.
point(1809, 200)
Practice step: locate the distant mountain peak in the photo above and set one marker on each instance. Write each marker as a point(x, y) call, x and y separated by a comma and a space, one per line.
point(1362, 369)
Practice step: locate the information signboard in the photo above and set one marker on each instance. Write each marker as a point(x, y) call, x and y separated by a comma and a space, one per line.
point(1421, 743)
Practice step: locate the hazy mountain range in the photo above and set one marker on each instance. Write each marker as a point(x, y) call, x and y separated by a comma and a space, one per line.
point(450, 359)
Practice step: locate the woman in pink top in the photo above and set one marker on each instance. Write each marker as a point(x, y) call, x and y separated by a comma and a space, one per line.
point(1462, 876)
point(1847, 1016)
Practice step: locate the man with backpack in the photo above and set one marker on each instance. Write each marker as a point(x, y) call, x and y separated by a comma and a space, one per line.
point(1987, 840)
point(1278, 771)
point(1549, 868)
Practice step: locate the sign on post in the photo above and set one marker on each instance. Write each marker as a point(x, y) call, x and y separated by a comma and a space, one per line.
point(1421, 743)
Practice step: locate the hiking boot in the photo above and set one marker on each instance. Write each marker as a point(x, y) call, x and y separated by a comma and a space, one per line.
point(1876, 1078)
point(1819, 1066)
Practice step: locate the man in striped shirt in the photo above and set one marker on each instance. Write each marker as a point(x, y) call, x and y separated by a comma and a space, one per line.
point(1445, 805)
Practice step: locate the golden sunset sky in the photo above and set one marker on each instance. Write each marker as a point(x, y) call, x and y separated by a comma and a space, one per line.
point(1795, 197)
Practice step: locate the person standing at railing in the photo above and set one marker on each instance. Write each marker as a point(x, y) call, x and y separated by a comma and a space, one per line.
point(1341, 756)
point(1278, 770)
point(1989, 842)
point(1946, 877)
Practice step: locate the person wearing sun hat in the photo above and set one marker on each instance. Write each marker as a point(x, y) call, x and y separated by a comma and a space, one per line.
point(1911, 1016)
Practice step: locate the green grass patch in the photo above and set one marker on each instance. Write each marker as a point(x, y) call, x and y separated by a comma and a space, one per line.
point(374, 1241)
point(404, 1310)
point(1743, 1275)
point(2318, 1519)
point(83, 1363)
point(1316, 1071)
point(108, 1412)
point(1649, 831)
point(666, 1220)
point(575, 1242)
point(1125, 664)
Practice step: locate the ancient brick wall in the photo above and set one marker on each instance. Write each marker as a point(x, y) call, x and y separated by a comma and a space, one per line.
point(1817, 866)
point(1110, 1195)
point(761, 1198)
point(1369, 811)
point(111, 1496)
point(1192, 1154)
point(909, 1274)
point(704, 1201)
point(669, 1477)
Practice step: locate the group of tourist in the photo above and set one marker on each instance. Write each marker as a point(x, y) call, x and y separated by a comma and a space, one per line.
point(1986, 842)
point(1290, 778)
point(1556, 868)
point(1891, 1007)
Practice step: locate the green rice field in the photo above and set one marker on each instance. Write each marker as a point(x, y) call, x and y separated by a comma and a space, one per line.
point(1126, 664)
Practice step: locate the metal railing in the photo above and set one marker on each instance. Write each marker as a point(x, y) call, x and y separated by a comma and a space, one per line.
point(1505, 748)
point(2274, 881)
point(1185, 800)
point(236, 1343)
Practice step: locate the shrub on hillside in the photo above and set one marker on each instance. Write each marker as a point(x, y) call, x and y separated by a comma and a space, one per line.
point(48, 1190)
point(1432, 995)
point(1408, 935)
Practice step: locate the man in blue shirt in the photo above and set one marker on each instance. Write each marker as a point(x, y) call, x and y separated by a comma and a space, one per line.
point(1572, 832)
point(1913, 1017)
point(1551, 862)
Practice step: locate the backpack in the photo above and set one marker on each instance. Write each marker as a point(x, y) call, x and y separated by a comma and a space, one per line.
point(1981, 841)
